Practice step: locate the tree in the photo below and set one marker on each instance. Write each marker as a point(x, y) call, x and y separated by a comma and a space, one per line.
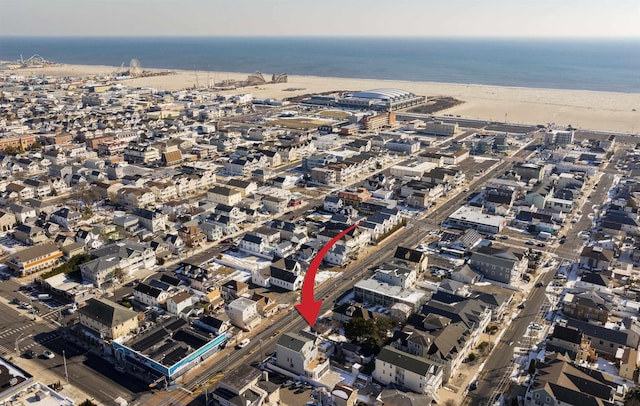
point(119, 274)
point(370, 333)
point(360, 330)
point(632, 397)
point(87, 402)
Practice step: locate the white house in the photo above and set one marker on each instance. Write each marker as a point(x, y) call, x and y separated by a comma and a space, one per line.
point(253, 244)
point(410, 371)
point(149, 295)
point(298, 353)
point(178, 303)
point(243, 313)
point(287, 274)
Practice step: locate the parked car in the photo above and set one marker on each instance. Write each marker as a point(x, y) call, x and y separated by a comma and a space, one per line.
point(243, 343)
point(473, 385)
point(48, 354)
point(539, 285)
point(521, 306)
point(30, 354)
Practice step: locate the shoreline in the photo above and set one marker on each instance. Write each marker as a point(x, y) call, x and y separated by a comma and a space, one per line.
point(583, 109)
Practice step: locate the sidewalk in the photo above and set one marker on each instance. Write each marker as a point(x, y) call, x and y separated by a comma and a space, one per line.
point(47, 377)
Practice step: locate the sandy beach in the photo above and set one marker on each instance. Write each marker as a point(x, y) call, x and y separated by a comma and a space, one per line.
point(605, 111)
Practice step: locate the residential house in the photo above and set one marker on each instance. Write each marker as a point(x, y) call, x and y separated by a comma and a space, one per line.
point(253, 244)
point(149, 295)
point(412, 259)
point(346, 311)
point(233, 289)
point(593, 257)
point(88, 238)
point(244, 386)
point(558, 381)
point(192, 236)
point(497, 263)
point(136, 197)
point(125, 255)
point(244, 186)
point(609, 339)
point(197, 277)
point(588, 306)
point(333, 204)
point(7, 221)
point(224, 195)
point(216, 325)
point(540, 194)
point(298, 353)
point(275, 204)
point(152, 220)
point(18, 191)
point(443, 342)
point(629, 365)
point(475, 314)
point(267, 305)
point(179, 304)
point(287, 274)
point(66, 217)
point(415, 373)
point(40, 188)
point(22, 213)
point(243, 313)
point(344, 395)
point(30, 234)
point(571, 342)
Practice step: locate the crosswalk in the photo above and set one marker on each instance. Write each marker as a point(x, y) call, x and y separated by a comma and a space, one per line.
point(40, 340)
point(16, 330)
point(48, 320)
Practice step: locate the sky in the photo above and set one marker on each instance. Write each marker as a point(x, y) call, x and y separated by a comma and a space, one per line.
point(419, 18)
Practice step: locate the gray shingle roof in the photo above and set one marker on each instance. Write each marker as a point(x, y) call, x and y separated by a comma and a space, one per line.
point(413, 363)
point(292, 341)
point(107, 312)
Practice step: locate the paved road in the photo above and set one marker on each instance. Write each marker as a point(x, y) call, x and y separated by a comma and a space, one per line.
point(86, 371)
point(264, 342)
point(499, 363)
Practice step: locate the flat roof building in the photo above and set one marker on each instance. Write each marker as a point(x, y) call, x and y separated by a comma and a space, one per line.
point(170, 349)
point(469, 217)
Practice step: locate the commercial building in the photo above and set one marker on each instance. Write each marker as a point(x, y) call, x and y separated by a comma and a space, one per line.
point(383, 99)
point(556, 137)
point(34, 259)
point(470, 217)
point(169, 350)
point(106, 319)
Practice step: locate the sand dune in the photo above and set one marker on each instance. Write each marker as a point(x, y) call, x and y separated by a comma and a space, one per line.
point(606, 111)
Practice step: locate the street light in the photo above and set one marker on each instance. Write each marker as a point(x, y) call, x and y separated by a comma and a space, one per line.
point(18, 342)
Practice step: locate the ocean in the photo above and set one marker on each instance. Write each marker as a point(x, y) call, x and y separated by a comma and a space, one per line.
point(606, 65)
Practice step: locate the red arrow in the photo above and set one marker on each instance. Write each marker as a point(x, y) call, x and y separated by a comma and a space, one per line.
point(309, 307)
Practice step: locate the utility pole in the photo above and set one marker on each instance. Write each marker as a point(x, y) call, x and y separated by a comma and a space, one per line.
point(64, 361)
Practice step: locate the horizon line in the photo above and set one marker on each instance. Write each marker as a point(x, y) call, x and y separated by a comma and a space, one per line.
point(347, 36)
